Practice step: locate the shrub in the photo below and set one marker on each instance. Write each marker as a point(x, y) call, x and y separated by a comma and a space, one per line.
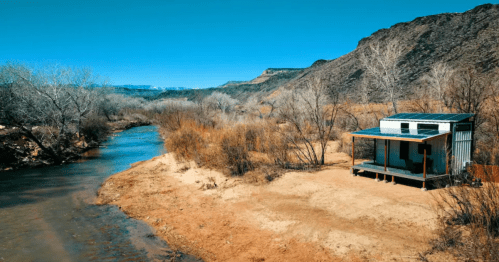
point(178, 112)
point(235, 151)
point(95, 129)
point(469, 222)
point(276, 146)
point(185, 143)
point(253, 138)
point(364, 148)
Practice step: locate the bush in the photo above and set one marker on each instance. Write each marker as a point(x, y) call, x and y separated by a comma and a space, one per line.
point(469, 222)
point(276, 146)
point(253, 138)
point(364, 148)
point(94, 129)
point(178, 112)
point(235, 151)
point(186, 143)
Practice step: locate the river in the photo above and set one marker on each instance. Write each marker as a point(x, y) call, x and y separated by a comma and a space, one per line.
point(47, 214)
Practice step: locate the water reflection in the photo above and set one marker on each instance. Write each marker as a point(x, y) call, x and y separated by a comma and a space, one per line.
point(47, 214)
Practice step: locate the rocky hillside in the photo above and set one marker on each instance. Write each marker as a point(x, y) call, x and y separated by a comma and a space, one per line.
point(469, 38)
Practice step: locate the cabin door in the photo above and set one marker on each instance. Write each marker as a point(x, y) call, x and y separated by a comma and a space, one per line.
point(461, 146)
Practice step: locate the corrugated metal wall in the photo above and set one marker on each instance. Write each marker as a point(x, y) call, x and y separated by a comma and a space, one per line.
point(461, 148)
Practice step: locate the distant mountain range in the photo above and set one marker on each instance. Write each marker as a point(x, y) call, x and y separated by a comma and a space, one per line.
point(146, 91)
point(149, 87)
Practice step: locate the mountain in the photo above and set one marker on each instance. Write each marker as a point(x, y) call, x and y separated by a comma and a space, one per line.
point(457, 39)
point(267, 82)
point(148, 87)
point(146, 91)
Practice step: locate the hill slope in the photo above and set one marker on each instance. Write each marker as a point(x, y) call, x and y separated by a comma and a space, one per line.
point(469, 38)
point(457, 39)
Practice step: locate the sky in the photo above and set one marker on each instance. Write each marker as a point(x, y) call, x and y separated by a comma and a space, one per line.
point(195, 44)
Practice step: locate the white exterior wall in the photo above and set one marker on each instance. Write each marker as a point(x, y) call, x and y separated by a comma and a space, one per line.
point(437, 153)
point(412, 125)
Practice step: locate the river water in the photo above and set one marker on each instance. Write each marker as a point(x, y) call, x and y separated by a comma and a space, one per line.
point(47, 214)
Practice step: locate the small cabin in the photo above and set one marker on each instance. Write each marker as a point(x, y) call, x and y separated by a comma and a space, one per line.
point(418, 146)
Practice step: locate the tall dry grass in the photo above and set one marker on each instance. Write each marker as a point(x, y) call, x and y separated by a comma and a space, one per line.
point(236, 148)
point(468, 222)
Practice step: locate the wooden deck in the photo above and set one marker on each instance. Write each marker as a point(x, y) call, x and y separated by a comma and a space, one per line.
point(396, 172)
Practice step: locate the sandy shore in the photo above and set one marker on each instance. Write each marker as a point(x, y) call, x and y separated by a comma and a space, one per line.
point(302, 216)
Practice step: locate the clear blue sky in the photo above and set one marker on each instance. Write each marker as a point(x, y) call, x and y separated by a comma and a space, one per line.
point(195, 43)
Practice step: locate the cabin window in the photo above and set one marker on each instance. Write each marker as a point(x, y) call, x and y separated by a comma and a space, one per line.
point(428, 126)
point(404, 150)
point(421, 148)
point(404, 127)
point(463, 127)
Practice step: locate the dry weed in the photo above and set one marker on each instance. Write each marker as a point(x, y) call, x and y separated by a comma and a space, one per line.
point(468, 222)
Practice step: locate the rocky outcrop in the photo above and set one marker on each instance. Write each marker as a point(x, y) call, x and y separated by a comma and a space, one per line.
point(17, 151)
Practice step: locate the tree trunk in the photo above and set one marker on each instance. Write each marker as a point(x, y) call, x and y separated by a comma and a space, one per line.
point(57, 159)
point(394, 104)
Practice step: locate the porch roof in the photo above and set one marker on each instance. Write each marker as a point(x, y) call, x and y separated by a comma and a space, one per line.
point(401, 134)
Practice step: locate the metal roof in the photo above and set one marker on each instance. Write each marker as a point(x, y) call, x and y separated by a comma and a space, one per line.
point(402, 134)
point(429, 117)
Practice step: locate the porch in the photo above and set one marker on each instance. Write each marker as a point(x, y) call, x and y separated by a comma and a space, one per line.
point(417, 167)
point(372, 167)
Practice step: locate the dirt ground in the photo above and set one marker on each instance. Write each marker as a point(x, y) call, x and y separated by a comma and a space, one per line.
point(327, 215)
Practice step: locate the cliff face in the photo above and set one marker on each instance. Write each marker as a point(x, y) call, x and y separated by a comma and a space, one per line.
point(458, 39)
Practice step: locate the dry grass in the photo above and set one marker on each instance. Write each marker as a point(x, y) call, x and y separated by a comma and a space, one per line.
point(186, 142)
point(255, 149)
point(468, 222)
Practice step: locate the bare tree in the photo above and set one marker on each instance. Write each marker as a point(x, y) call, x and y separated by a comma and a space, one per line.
point(311, 114)
point(438, 80)
point(468, 92)
point(219, 101)
point(367, 95)
point(382, 66)
point(53, 98)
point(254, 106)
point(422, 100)
point(263, 108)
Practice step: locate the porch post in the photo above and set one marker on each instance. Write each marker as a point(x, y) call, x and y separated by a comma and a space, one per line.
point(386, 141)
point(424, 167)
point(446, 156)
point(424, 161)
point(353, 150)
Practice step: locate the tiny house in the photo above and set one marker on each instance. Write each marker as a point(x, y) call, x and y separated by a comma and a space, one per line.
point(418, 146)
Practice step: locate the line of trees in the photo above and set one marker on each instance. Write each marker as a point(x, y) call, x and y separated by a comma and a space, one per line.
point(56, 107)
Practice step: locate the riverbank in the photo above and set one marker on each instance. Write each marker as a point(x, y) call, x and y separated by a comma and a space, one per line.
point(19, 152)
point(301, 216)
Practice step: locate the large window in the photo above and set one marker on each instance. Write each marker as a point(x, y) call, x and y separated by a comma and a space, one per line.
point(428, 126)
